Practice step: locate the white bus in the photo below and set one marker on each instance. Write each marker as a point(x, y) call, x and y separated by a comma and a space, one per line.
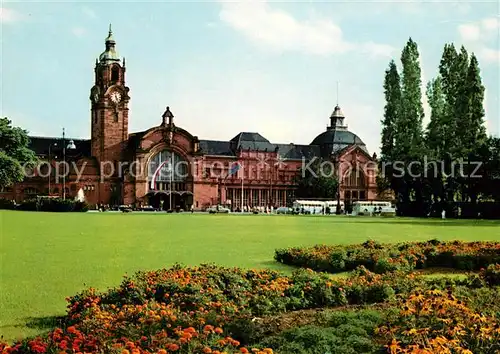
point(370, 207)
point(332, 204)
point(315, 206)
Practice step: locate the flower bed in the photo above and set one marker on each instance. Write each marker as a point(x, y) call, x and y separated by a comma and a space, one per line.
point(210, 309)
point(382, 258)
point(436, 321)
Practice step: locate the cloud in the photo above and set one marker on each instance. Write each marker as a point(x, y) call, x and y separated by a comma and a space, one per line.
point(469, 32)
point(9, 15)
point(279, 31)
point(79, 31)
point(480, 36)
point(491, 23)
point(489, 55)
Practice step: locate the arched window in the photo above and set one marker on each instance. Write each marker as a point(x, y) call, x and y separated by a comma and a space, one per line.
point(354, 185)
point(115, 74)
point(354, 179)
point(165, 167)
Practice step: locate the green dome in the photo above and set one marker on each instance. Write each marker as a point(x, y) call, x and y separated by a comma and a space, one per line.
point(110, 54)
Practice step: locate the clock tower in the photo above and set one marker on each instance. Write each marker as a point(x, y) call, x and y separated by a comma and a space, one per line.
point(109, 105)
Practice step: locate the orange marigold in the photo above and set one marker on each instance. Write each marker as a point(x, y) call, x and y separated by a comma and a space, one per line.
point(173, 347)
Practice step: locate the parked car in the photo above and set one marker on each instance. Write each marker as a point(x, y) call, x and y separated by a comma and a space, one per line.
point(217, 209)
point(284, 210)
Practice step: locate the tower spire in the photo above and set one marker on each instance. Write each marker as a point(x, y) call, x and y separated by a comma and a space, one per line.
point(337, 117)
point(337, 93)
point(110, 54)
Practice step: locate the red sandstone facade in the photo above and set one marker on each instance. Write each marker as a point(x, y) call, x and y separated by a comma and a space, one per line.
point(115, 167)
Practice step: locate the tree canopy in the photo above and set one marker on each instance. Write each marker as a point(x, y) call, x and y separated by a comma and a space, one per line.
point(444, 155)
point(317, 180)
point(15, 154)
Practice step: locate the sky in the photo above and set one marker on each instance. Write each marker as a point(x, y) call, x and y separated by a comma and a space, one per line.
point(229, 66)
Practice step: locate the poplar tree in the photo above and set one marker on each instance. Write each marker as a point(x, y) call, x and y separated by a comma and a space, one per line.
point(409, 145)
point(392, 91)
point(409, 134)
point(436, 138)
point(473, 131)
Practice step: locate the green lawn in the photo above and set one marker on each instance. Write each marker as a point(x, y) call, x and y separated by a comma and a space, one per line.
point(46, 257)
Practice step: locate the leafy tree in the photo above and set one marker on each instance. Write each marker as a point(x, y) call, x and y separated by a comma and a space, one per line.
point(392, 109)
point(474, 129)
point(317, 180)
point(409, 143)
point(437, 128)
point(15, 154)
point(409, 134)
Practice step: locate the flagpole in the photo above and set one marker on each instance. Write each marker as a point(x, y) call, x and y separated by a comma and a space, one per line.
point(170, 194)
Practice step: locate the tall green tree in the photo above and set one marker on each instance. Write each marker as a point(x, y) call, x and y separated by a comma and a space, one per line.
point(473, 128)
point(392, 110)
point(409, 131)
point(437, 128)
point(453, 69)
point(317, 180)
point(15, 154)
point(409, 140)
point(436, 138)
point(449, 82)
point(473, 131)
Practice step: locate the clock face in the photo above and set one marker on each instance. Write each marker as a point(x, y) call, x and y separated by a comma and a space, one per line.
point(116, 97)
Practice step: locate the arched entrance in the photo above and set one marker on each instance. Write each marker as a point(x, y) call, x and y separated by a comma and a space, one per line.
point(169, 186)
point(354, 185)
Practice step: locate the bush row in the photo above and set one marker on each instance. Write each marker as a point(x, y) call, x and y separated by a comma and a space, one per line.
point(382, 258)
point(209, 309)
point(46, 204)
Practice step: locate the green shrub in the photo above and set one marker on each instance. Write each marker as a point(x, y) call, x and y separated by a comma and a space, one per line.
point(28, 205)
point(53, 205)
point(7, 204)
point(383, 258)
point(341, 332)
point(338, 260)
point(491, 275)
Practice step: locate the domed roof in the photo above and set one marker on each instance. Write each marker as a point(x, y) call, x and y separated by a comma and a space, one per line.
point(110, 54)
point(342, 137)
point(332, 141)
point(337, 137)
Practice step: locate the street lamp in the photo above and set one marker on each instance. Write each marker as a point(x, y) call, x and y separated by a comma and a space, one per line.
point(70, 146)
point(50, 164)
